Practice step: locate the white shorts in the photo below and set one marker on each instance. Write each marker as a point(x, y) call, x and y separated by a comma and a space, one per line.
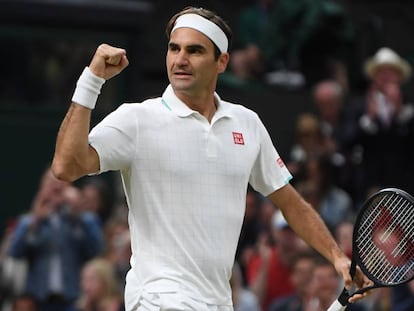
point(174, 301)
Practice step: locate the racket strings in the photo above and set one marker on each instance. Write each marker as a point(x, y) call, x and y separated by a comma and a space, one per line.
point(372, 256)
point(398, 250)
point(385, 241)
point(403, 245)
point(389, 224)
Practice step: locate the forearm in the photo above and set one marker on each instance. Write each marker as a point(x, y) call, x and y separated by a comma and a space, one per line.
point(74, 157)
point(311, 228)
point(73, 153)
point(306, 222)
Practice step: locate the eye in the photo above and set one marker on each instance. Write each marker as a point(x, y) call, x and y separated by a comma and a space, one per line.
point(195, 49)
point(173, 47)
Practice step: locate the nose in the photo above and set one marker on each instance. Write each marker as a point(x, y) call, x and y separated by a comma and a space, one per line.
point(181, 58)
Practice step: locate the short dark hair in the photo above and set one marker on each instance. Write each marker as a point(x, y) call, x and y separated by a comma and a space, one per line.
point(207, 14)
point(321, 261)
point(310, 255)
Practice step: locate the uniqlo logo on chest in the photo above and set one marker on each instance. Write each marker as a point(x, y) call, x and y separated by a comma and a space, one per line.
point(238, 138)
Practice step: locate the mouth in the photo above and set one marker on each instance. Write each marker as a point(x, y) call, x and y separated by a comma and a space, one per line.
point(181, 74)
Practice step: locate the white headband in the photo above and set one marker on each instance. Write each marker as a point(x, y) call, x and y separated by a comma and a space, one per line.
point(203, 25)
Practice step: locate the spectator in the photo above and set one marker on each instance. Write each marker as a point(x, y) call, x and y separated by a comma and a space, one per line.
point(302, 270)
point(56, 238)
point(330, 101)
point(337, 127)
point(97, 197)
point(303, 34)
point(118, 248)
point(12, 271)
point(99, 290)
point(243, 298)
point(260, 227)
point(402, 297)
point(267, 209)
point(343, 235)
point(269, 271)
point(250, 58)
point(250, 231)
point(326, 285)
point(24, 302)
point(333, 203)
point(384, 132)
point(309, 141)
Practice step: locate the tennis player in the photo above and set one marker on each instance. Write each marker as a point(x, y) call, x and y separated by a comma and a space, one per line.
point(186, 159)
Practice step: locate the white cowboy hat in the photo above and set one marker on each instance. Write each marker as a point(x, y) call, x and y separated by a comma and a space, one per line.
point(387, 57)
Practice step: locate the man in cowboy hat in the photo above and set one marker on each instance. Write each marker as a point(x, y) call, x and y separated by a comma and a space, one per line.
point(384, 130)
point(387, 71)
point(387, 61)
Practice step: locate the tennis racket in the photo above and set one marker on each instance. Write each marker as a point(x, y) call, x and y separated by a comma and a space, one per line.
point(383, 242)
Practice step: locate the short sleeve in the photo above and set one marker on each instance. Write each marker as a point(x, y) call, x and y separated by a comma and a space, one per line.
point(269, 172)
point(115, 139)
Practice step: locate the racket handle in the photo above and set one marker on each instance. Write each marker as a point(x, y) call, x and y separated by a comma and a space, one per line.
point(341, 303)
point(336, 306)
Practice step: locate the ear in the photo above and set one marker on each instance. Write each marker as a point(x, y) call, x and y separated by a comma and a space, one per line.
point(222, 62)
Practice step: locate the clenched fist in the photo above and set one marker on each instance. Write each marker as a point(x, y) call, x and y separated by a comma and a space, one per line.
point(108, 61)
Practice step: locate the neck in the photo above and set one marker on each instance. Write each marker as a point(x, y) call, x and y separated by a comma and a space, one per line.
point(205, 105)
point(209, 111)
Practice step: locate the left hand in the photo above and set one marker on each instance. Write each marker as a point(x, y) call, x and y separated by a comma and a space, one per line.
point(360, 280)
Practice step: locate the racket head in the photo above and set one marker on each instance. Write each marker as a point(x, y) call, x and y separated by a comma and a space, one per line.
point(383, 238)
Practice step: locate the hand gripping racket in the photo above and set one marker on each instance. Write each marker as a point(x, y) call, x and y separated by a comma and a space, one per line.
point(383, 242)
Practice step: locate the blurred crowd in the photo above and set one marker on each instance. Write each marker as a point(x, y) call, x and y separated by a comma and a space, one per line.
point(347, 145)
point(70, 249)
point(291, 44)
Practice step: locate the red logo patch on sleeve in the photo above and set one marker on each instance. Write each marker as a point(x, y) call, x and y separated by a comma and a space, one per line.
point(238, 138)
point(280, 162)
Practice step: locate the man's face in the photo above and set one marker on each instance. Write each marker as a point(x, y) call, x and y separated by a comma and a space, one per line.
point(328, 101)
point(325, 281)
point(302, 274)
point(288, 242)
point(386, 75)
point(191, 65)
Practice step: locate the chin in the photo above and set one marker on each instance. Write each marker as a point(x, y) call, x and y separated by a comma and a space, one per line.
point(181, 85)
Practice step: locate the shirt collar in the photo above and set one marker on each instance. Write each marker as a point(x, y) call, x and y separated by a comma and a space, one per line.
point(173, 103)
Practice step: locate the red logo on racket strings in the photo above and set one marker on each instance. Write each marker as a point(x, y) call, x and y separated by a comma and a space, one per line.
point(238, 138)
point(391, 239)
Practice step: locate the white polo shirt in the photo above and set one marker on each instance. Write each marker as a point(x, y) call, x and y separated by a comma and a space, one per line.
point(185, 182)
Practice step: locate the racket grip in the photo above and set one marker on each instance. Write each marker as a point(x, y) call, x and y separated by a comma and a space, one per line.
point(336, 306)
point(341, 303)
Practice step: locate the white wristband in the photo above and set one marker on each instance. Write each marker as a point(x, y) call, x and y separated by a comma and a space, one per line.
point(87, 89)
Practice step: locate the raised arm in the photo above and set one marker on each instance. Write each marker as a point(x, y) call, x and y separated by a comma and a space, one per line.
point(74, 157)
